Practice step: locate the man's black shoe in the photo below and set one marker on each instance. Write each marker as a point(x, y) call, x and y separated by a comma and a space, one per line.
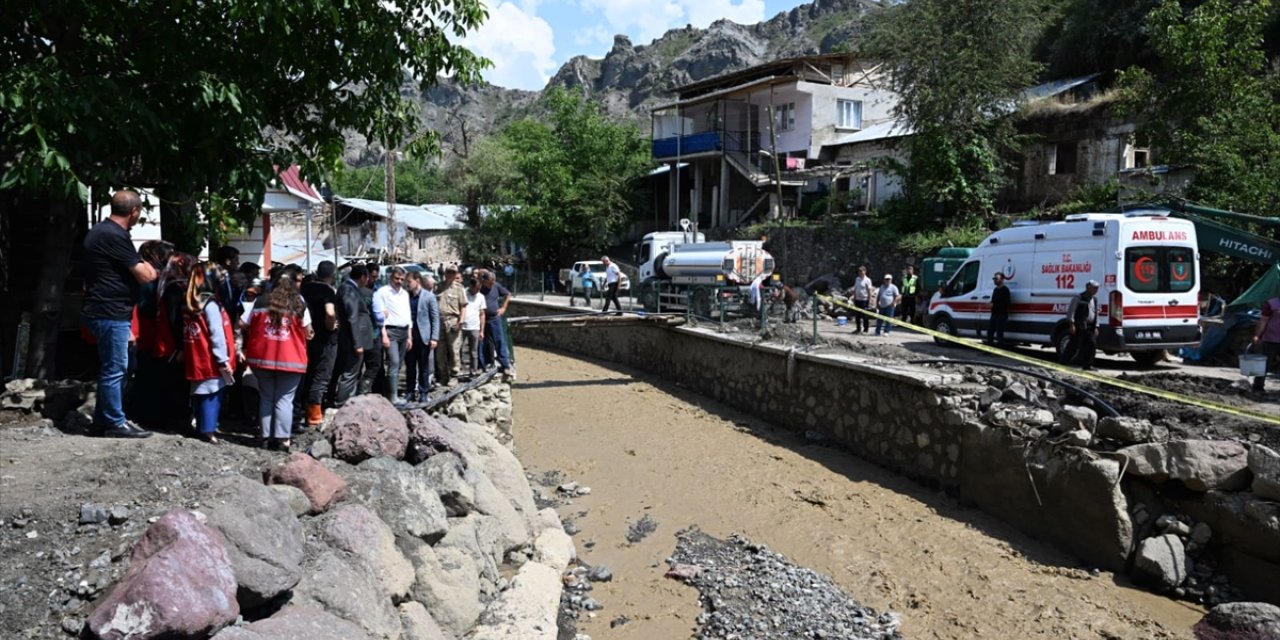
point(126, 430)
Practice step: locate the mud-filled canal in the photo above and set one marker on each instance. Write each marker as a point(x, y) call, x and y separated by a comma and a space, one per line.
point(648, 448)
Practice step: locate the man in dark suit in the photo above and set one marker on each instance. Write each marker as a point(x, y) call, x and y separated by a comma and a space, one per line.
point(355, 333)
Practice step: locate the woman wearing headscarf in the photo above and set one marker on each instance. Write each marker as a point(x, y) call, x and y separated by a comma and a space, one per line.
point(150, 331)
point(277, 328)
point(209, 350)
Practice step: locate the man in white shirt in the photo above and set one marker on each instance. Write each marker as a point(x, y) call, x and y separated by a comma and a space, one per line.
point(472, 335)
point(392, 311)
point(861, 294)
point(611, 277)
point(887, 299)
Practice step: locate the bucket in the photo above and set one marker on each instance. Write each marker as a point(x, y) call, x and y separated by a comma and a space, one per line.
point(1253, 365)
point(842, 320)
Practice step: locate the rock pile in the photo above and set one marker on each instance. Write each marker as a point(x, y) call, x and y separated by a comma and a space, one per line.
point(359, 545)
point(1177, 489)
point(749, 592)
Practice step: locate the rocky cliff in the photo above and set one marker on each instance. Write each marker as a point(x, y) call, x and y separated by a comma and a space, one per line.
point(631, 78)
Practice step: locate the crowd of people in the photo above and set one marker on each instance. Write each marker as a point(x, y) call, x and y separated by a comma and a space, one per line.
point(181, 341)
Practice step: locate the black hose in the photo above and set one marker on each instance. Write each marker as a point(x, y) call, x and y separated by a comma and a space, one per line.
point(1039, 376)
point(453, 393)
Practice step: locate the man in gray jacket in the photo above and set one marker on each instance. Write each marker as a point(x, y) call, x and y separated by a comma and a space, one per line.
point(426, 323)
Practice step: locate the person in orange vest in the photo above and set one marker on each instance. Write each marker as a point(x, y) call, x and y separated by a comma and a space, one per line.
point(278, 326)
point(208, 350)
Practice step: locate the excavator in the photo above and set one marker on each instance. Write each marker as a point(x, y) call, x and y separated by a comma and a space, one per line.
point(1215, 236)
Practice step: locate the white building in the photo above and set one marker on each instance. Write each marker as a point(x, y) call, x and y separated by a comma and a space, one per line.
point(746, 133)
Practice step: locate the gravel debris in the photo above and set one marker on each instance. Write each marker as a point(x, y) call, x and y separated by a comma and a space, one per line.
point(750, 593)
point(640, 529)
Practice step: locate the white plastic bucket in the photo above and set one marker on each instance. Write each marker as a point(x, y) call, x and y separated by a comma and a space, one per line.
point(1253, 365)
point(842, 320)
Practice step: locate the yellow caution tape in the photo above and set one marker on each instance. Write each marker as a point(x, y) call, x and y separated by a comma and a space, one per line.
point(1054, 366)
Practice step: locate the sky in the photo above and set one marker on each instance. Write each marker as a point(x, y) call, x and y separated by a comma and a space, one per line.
point(528, 40)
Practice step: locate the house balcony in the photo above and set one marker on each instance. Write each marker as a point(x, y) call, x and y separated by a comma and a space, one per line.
point(707, 142)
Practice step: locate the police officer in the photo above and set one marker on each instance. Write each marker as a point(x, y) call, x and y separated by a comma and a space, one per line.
point(910, 290)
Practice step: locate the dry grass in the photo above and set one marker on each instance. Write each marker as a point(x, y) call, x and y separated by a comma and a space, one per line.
point(1062, 105)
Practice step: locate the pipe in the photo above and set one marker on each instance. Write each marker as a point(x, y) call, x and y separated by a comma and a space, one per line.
point(1111, 411)
point(453, 393)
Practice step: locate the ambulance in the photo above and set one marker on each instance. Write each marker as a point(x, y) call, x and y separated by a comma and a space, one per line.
point(1145, 261)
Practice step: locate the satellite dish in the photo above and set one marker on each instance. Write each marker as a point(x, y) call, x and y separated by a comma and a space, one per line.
point(684, 224)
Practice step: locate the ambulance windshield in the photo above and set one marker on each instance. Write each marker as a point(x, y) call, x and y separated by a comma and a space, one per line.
point(1159, 269)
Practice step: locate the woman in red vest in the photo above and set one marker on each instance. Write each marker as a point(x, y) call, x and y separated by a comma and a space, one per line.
point(277, 328)
point(208, 350)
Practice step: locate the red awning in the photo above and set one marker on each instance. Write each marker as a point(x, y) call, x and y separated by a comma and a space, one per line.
point(293, 183)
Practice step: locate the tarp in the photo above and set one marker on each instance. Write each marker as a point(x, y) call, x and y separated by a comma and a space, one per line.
point(1266, 288)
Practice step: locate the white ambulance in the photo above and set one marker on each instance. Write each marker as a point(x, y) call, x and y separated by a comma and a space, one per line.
point(1146, 263)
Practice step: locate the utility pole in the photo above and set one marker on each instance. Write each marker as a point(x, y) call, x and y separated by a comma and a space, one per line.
point(391, 197)
point(773, 148)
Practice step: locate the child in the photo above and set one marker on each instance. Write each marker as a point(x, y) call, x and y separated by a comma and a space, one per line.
point(208, 350)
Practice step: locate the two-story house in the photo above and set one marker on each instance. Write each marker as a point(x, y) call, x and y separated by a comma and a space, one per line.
point(733, 144)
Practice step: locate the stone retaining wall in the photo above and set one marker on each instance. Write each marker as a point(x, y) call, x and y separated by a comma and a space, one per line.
point(921, 423)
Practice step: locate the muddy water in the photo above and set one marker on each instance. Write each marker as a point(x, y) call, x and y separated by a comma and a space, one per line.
point(648, 448)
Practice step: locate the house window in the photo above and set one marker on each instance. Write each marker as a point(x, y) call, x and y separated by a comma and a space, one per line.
point(422, 242)
point(1062, 158)
point(1137, 154)
point(784, 116)
point(848, 114)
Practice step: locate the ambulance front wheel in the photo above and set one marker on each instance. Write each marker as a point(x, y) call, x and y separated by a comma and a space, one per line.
point(942, 324)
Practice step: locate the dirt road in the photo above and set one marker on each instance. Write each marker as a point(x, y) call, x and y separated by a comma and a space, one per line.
point(648, 448)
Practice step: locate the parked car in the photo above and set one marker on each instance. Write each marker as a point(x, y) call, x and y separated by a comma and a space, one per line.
point(573, 277)
point(409, 267)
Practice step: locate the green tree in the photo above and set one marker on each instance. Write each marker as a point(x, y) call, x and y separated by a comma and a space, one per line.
point(202, 100)
point(206, 97)
point(958, 67)
point(417, 182)
point(1212, 103)
point(573, 178)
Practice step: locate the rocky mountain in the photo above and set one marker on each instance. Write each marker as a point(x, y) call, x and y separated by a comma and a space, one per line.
point(631, 78)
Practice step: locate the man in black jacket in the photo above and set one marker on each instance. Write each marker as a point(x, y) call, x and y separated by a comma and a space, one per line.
point(1001, 300)
point(1082, 314)
point(355, 333)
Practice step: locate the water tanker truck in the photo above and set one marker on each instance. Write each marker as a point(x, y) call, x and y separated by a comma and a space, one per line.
point(680, 271)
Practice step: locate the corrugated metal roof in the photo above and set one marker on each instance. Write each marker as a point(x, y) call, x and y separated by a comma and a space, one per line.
point(430, 217)
point(882, 131)
point(1055, 87)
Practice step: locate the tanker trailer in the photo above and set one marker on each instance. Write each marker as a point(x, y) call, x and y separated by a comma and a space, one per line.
point(705, 277)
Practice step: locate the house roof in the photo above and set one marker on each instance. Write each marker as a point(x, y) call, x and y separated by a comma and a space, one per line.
point(883, 131)
point(428, 217)
point(291, 179)
point(772, 68)
point(1055, 87)
point(898, 128)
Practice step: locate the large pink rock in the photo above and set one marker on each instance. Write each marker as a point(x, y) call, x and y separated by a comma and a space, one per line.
point(366, 427)
point(427, 437)
point(180, 584)
point(322, 486)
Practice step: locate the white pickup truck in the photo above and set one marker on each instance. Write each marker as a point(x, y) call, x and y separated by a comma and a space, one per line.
point(593, 269)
